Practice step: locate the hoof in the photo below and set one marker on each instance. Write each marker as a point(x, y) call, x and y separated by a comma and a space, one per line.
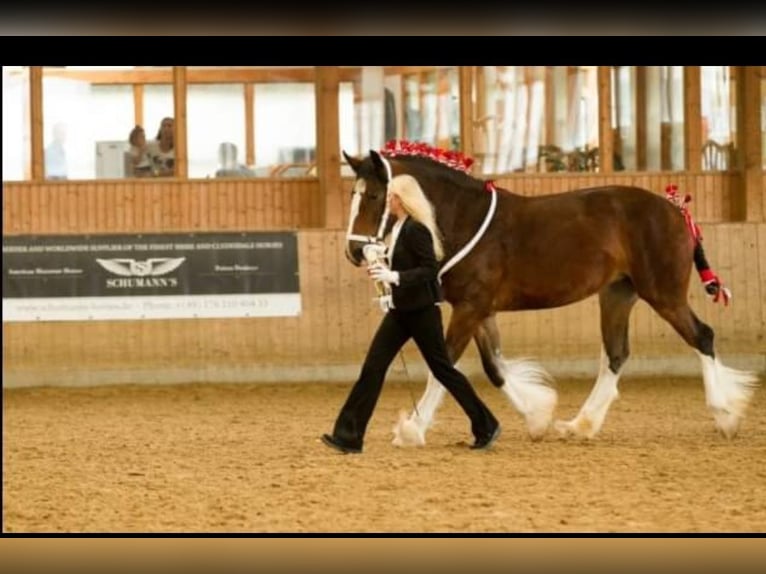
point(579, 427)
point(727, 423)
point(407, 432)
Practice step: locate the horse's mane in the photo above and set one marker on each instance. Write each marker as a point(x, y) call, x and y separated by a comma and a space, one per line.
point(450, 165)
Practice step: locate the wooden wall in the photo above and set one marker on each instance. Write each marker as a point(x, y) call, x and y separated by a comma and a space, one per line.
point(125, 206)
point(116, 206)
point(328, 341)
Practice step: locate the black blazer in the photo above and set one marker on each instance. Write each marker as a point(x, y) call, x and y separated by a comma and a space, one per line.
point(415, 260)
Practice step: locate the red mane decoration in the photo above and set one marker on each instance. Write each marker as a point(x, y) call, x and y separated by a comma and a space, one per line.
point(453, 159)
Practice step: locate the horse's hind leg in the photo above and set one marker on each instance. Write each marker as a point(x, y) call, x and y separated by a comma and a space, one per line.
point(727, 390)
point(410, 430)
point(616, 302)
point(524, 382)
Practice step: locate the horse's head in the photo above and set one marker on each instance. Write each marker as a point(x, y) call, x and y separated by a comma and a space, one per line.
point(368, 220)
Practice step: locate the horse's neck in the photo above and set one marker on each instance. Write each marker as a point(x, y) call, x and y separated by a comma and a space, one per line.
point(459, 211)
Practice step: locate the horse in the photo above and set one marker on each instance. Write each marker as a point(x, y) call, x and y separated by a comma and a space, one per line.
point(508, 252)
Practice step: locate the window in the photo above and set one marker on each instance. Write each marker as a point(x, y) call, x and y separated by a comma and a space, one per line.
point(763, 116)
point(718, 117)
point(216, 122)
point(88, 115)
point(285, 129)
point(648, 118)
point(530, 118)
point(416, 103)
point(16, 133)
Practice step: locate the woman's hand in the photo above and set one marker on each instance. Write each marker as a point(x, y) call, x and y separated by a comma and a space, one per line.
point(380, 272)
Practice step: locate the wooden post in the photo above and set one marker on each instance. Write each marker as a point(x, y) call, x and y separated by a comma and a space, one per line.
point(748, 197)
point(249, 124)
point(550, 108)
point(138, 104)
point(36, 119)
point(693, 118)
point(179, 111)
point(605, 134)
point(641, 131)
point(466, 110)
point(328, 145)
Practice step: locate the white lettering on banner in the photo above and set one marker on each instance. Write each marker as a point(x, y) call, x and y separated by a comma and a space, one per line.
point(149, 307)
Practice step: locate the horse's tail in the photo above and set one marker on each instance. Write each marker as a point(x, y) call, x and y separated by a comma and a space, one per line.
point(713, 285)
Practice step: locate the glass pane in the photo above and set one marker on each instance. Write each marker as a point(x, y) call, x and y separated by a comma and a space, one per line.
point(763, 115)
point(89, 114)
point(648, 118)
point(285, 129)
point(159, 107)
point(216, 148)
point(419, 104)
point(718, 117)
point(534, 118)
point(16, 133)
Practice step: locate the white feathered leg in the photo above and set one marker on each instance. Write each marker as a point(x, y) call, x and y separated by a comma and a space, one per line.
point(591, 417)
point(727, 392)
point(411, 430)
point(527, 386)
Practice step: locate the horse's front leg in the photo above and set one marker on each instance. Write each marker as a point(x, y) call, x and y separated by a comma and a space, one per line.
point(411, 430)
point(524, 382)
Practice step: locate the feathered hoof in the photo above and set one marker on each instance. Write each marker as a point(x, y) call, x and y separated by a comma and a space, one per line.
point(727, 423)
point(578, 427)
point(407, 432)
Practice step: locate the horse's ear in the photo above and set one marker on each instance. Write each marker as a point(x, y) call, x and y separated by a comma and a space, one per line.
point(352, 161)
point(377, 162)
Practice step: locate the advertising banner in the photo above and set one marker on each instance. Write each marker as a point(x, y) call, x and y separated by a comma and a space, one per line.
point(153, 276)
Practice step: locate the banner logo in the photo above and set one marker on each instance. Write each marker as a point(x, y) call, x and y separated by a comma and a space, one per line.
point(142, 273)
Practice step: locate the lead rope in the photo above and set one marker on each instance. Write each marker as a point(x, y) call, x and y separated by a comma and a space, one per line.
point(460, 255)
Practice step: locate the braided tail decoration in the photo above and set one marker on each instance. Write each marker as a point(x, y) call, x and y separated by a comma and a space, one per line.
point(713, 285)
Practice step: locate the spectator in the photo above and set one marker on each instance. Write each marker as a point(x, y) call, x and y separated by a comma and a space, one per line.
point(55, 154)
point(162, 149)
point(140, 161)
point(228, 165)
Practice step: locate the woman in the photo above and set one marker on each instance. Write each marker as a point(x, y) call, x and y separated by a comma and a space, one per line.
point(415, 250)
point(140, 160)
point(162, 149)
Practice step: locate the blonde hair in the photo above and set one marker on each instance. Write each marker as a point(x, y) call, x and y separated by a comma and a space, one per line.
point(417, 206)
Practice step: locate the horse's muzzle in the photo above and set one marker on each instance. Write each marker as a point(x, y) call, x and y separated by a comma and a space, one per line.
point(354, 252)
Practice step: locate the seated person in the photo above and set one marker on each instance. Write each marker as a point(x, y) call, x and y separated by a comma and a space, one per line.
point(140, 161)
point(228, 165)
point(55, 154)
point(162, 149)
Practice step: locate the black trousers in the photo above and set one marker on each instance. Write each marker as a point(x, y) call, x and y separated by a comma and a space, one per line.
point(425, 327)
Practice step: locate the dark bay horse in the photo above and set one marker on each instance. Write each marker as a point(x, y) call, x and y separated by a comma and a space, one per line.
point(519, 253)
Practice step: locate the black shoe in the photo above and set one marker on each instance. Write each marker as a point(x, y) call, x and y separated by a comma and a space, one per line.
point(486, 441)
point(333, 442)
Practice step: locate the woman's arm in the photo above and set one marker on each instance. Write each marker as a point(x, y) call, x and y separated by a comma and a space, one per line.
point(420, 243)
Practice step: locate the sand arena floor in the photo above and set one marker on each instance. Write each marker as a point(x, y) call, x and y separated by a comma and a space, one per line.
point(247, 458)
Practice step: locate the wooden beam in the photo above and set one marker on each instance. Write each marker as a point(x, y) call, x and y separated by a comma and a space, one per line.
point(249, 124)
point(550, 108)
point(605, 134)
point(465, 74)
point(748, 199)
point(641, 101)
point(179, 109)
point(328, 146)
point(693, 118)
point(194, 76)
point(36, 119)
point(138, 104)
point(666, 128)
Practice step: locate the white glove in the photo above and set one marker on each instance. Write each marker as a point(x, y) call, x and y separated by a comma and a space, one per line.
point(380, 272)
point(386, 303)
